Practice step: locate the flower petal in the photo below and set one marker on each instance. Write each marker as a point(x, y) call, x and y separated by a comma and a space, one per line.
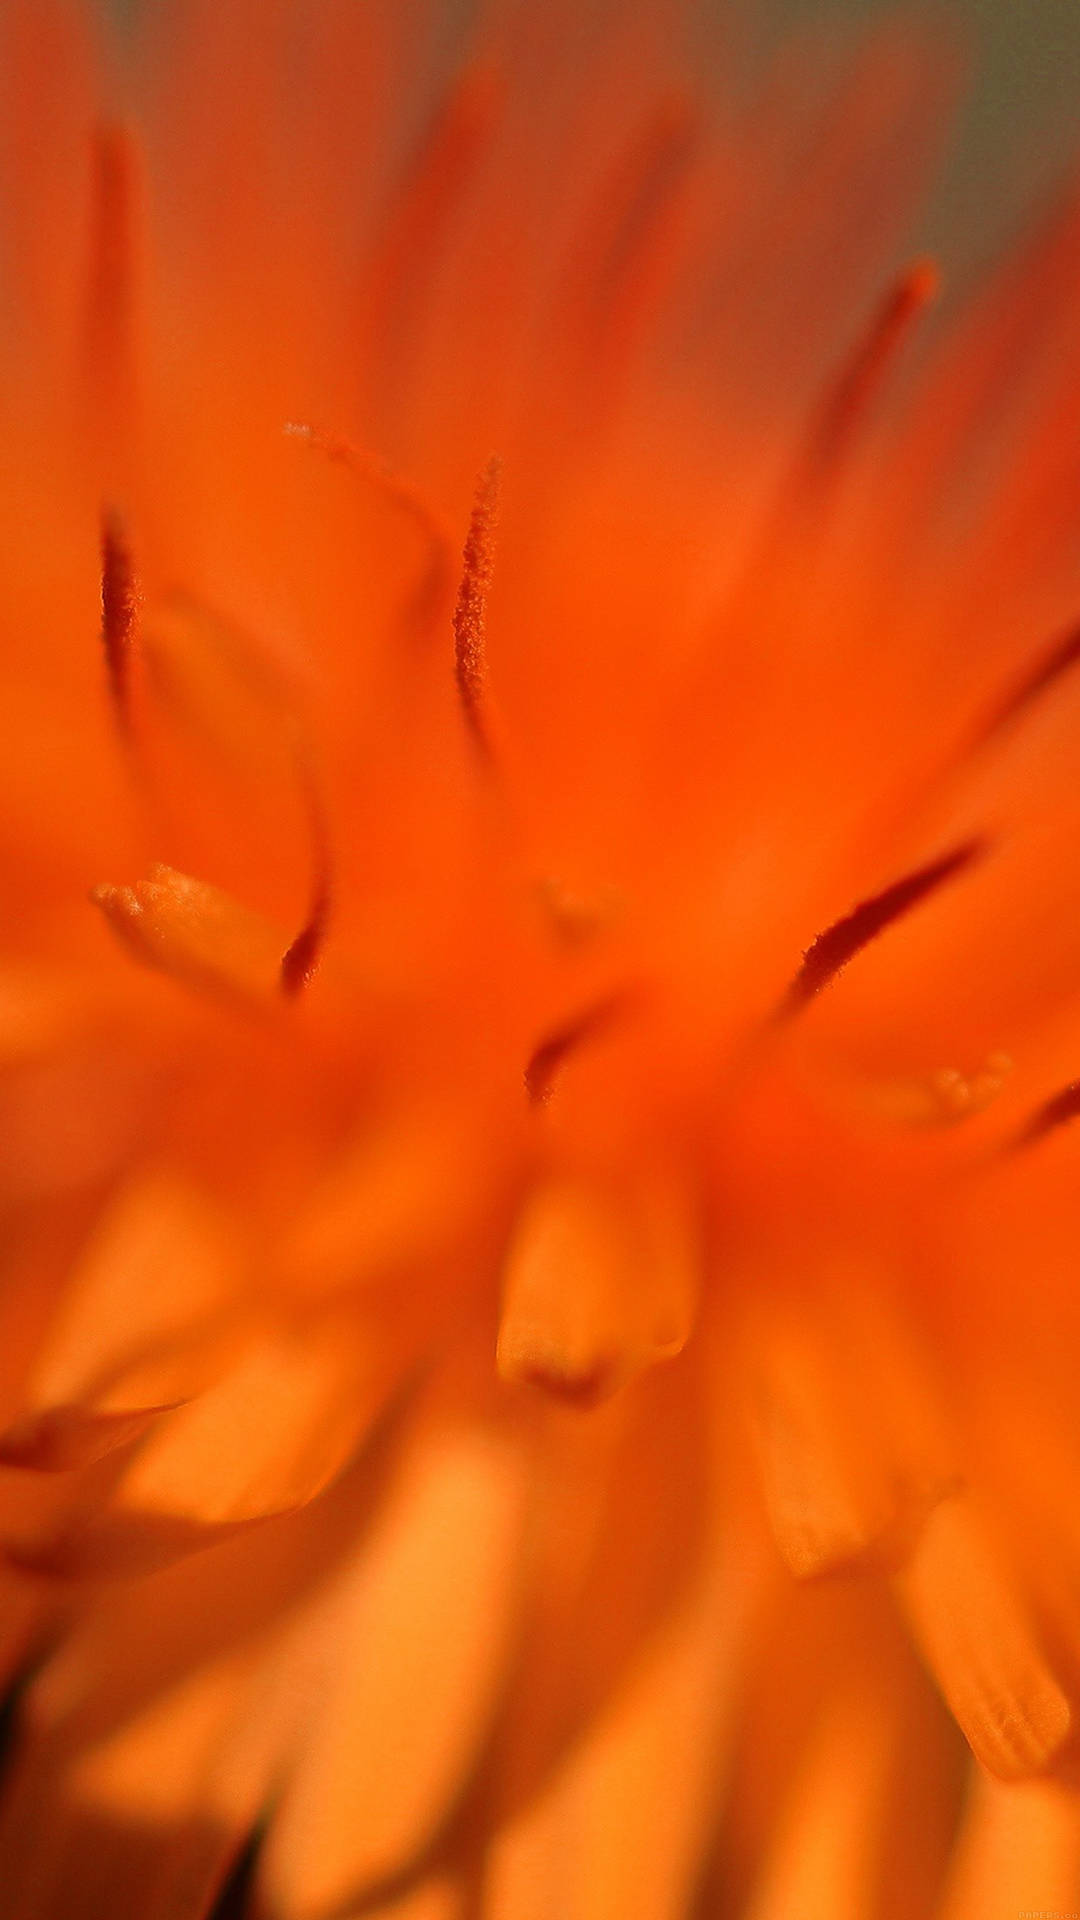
point(597, 1285)
point(982, 1646)
point(1018, 1851)
point(359, 1805)
point(140, 1326)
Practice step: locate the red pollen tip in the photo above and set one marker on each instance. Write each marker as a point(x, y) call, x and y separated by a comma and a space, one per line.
point(469, 621)
point(545, 1062)
point(1059, 1111)
point(1058, 660)
point(302, 958)
point(833, 949)
point(119, 612)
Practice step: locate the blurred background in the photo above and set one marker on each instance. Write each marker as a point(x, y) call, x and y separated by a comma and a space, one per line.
point(1020, 127)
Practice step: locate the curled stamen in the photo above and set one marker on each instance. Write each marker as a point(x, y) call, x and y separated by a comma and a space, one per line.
point(403, 496)
point(469, 621)
point(548, 1057)
point(119, 613)
point(1061, 1108)
point(833, 949)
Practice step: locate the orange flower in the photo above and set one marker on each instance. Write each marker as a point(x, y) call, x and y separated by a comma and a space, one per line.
point(538, 1332)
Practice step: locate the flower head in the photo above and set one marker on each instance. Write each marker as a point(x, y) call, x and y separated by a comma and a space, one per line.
point(539, 995)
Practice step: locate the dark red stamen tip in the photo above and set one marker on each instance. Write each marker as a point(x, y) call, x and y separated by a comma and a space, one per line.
point(554, 1049)
point(833, 949)
point(302, 957)
point(119, 611)
point(1053, 664)
point(470, 611)
point(1061, 1108)
point(300, 961)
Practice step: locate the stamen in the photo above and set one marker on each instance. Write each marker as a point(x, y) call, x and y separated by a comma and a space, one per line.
point(1061, 1108)
point(847, 403)
point(544, 1064)
point(119, 613)
point(195, 933)
point(833, 949)
point(469, 621)
point(404, 497)
point(1058, 660)
point(302, 956)
point(111, 281)
point(301, 959)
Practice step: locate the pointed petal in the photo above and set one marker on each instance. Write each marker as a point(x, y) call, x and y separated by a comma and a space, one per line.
point(420, 1631)
point(596, 1286)
point(982, 1646)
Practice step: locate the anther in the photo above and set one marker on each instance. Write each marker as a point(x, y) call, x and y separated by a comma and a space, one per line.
point(1061, 1108)
point(301, 957)
point(119, 613)
point(833, 949)
point(470, 611)
point(548, 1057)
point(195, 933)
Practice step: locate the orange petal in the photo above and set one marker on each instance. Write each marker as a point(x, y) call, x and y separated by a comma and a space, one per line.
point(65, 1438)
point(122, 1812)
point(833, 1848)
point(392, 1203)
point(852, 1453)
point(597, 1285)
point(618, 1829)
point(983, 1648)
point(1018, 1851)
point(265, 1438)
point(138, 1328)
point(437, 1899)
point(356, 1810)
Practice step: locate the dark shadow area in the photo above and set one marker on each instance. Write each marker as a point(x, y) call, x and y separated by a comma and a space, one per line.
point(234, 1902)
